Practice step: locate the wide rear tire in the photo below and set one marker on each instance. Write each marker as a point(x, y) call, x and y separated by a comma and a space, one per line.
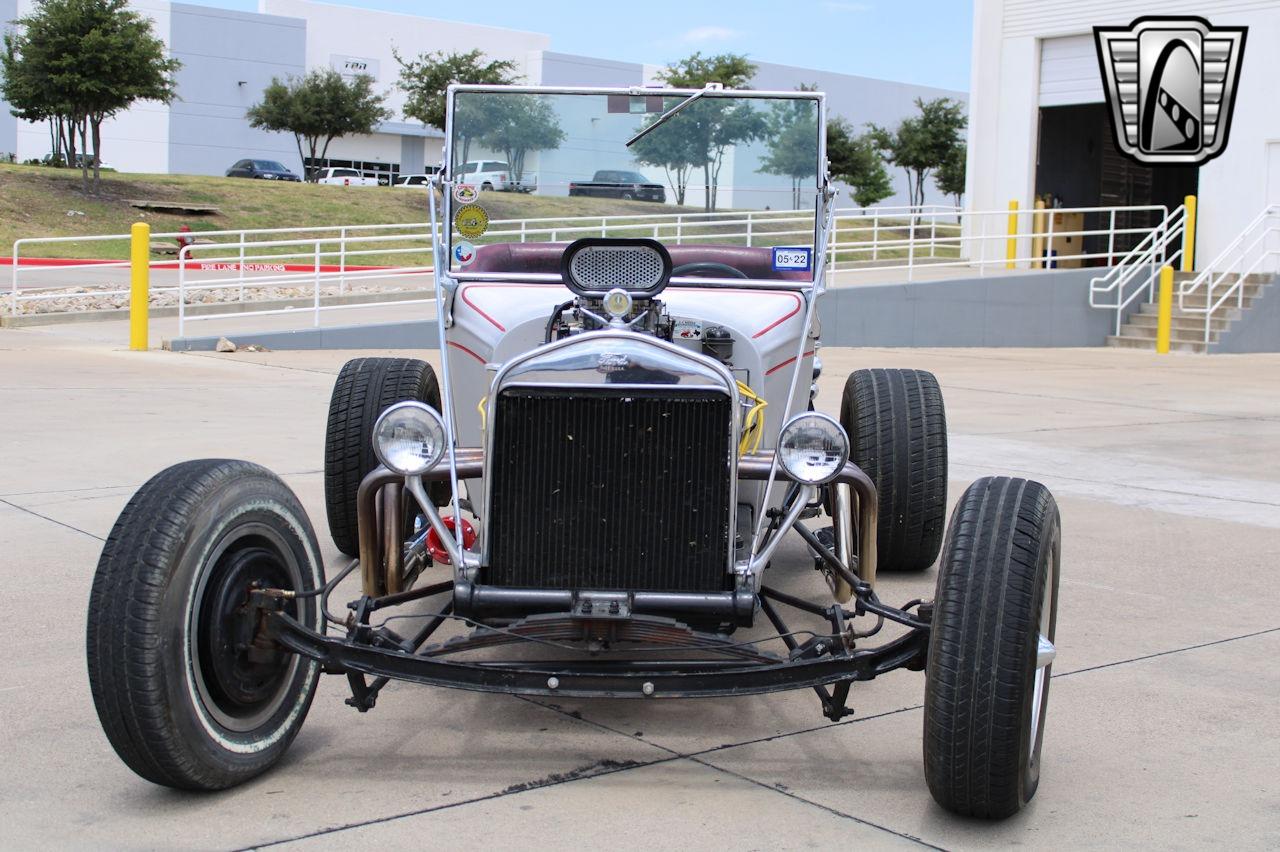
point(988, 672)
point(897, 428)
point(365, 388)
point(185, 696)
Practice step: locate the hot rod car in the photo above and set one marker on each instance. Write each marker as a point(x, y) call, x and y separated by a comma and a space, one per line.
point(588, 499)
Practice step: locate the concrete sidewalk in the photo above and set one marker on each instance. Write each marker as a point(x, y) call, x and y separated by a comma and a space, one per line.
point(1163, 728)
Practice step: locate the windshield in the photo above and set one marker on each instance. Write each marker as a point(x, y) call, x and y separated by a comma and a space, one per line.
point(268, 166)
point(727, 169)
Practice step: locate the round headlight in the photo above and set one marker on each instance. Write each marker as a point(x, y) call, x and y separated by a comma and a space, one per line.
point(813, 448)
point(409, 438)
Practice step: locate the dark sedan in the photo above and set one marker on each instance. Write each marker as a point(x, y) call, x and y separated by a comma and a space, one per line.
point(618, 184)
point(262, 170)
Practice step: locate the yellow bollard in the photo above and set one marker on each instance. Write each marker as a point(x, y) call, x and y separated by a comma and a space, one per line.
point(1011, 246)
point(1189, 236)
point(1164, 320)
point(139, 284)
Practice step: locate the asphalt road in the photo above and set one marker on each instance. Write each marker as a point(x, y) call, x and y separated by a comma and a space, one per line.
point(1162, 731)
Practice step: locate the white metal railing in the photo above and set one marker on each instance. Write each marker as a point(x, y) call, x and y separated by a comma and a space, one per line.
point(979, 239)
point(883, 238)
point(1221, 283)
point(1139, 270)
point(29, 283)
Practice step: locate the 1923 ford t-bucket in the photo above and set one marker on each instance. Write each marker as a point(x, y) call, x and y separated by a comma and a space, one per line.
point(594, 494)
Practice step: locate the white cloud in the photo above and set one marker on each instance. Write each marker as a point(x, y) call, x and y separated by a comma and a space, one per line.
point(701, 35)
point(840, 6)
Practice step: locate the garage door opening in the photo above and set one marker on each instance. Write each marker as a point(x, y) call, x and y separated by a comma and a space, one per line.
point(1078, 165)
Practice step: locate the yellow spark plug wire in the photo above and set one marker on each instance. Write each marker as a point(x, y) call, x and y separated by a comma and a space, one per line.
point(753, 422)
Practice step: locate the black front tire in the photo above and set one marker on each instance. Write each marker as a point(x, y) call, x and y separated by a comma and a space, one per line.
point(185, 696)
point(985, 694)
point(897, 428)
point(365, 388)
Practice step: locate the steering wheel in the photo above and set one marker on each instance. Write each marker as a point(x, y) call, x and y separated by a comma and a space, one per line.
point(707, 266)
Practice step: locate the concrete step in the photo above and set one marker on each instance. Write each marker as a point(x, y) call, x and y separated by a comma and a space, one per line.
point(1192, 322)
point(1200, 300)
point(1185, 335)
point(1124, 341)
point(1251, 278)
point(1151, 308)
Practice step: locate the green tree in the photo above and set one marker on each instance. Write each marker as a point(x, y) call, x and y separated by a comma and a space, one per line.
point(317, 108)
point(78, 63)
point(731, 70)
point(856, 162)
point(426, 78)
point(793, 143)
point(950, 175)
point(517, 125)
point(701, 135)
point(673, 153)
point(922, 143)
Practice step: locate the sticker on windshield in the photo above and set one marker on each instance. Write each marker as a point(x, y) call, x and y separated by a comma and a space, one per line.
point(471, 221)
point(465, 193)
point(464, 252)
point(792, 259)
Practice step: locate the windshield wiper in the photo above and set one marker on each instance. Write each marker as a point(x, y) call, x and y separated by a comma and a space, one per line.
point(666, 116)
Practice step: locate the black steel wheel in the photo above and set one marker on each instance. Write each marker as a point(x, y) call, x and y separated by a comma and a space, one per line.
point(897, 428)
point(991, 648)
point(190, 691)
point(365, 388)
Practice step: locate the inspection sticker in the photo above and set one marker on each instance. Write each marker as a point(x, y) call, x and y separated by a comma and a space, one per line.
point(471, 221)
point(465, 193)
point(792, 258)
point(464, 252)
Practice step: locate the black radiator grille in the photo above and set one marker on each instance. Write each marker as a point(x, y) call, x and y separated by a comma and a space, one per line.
point(610, 490)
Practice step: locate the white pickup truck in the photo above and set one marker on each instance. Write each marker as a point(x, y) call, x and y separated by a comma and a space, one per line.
point(344, 177)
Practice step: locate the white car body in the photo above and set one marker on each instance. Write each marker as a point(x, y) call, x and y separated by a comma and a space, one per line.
point(343, 177)
point(487, 175)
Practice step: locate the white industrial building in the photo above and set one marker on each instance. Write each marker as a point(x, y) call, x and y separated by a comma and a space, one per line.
point(1038, 124)
point(229, 58)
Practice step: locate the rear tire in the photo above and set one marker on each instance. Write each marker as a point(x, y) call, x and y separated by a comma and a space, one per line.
point(986, 693)
point(365, 388)
point(897, 429)
point(184, 697)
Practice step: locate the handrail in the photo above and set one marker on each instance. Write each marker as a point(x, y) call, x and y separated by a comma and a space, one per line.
point(1151, 253)
point(1232, 267)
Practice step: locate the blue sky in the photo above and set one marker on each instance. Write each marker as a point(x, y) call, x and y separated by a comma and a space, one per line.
point(913, 41)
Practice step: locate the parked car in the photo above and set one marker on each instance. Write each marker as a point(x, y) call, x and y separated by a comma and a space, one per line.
point(627, 186)
point(336, 176)
point(631, 433)
point(420, 181)
point(487, 175)
point(261, 170)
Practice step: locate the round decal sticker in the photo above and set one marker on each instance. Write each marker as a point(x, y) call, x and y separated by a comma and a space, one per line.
point(464, 252)
point(471, 221)
point(465, 193)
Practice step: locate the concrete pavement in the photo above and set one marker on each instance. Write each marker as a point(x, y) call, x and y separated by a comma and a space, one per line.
point(1163, 729)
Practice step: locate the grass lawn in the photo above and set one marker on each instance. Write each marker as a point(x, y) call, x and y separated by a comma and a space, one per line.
point(37, 201)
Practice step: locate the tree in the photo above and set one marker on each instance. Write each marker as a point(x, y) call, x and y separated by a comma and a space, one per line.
point(701, 135)
point(517, 125)
point(731, 70)
point(793, 143)
point(426, 79)
point(950, 175)
point(317, 108)
point(922, 143)
point(78, 63)
point(856, 161)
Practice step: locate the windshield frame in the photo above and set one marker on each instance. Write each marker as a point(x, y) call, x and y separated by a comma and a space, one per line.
point(822, 205)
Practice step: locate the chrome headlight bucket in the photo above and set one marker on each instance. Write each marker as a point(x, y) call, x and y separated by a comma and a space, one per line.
point(409, 438)
point(812, 448)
